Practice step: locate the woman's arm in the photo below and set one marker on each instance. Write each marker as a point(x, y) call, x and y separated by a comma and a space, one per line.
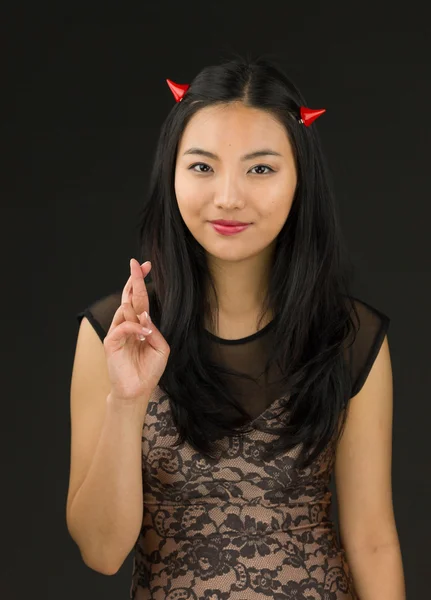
point(364, 489)
point(378, 572)
point(105, 514)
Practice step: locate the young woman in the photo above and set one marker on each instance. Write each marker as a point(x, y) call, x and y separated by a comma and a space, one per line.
point(207, 445)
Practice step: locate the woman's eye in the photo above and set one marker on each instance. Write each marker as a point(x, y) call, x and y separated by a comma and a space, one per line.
point(263, 167)
point(192, 167)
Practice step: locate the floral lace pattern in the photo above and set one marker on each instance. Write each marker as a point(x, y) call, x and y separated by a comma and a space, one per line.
point(234, 528)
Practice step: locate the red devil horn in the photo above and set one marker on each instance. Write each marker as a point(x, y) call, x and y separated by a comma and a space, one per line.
point(178, 89)
point(308, 115)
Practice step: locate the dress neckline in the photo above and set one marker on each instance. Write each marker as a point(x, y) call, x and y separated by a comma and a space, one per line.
point(243, 340)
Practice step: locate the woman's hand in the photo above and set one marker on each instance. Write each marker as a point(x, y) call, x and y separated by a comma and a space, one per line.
point(134, 366)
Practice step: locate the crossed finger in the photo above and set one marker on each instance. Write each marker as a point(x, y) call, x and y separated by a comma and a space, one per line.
point(139, 292)
point(126, 296)
point(135, 290)
point(123, 313)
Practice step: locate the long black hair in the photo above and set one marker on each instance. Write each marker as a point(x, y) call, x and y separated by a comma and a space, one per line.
point(308, 290)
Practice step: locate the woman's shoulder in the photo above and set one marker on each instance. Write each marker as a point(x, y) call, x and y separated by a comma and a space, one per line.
point(368, 315)
point(371, 327)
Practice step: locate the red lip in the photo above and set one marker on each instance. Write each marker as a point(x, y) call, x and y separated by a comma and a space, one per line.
point(228, 223)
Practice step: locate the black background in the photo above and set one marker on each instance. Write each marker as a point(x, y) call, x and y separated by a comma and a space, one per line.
point(84, 96)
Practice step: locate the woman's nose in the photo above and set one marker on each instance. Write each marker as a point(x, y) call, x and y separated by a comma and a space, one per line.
point(228, 191)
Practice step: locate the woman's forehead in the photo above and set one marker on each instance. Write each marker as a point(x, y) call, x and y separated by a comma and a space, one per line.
point(245, 127)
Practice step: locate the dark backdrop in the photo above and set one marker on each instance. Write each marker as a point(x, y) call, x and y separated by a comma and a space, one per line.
point(84, 96)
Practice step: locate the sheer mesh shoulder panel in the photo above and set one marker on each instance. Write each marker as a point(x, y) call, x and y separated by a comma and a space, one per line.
point(372, 330)
point(101, 313)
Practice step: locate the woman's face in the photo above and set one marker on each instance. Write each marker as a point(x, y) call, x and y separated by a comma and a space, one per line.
point(228, 185)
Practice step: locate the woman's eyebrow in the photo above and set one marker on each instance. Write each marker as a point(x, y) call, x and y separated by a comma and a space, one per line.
point(249, 156)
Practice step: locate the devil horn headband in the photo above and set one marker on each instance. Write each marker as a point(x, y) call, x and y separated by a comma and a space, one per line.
point(308, 115)
point(178, 89)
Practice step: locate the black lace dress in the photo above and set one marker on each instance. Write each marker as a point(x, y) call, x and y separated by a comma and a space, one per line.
point(239, 528)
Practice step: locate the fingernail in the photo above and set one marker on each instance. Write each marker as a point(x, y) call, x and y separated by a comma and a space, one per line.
point(147, 316)
point(146, 331)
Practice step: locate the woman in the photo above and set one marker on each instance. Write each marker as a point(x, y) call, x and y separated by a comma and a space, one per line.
point(207, 445)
